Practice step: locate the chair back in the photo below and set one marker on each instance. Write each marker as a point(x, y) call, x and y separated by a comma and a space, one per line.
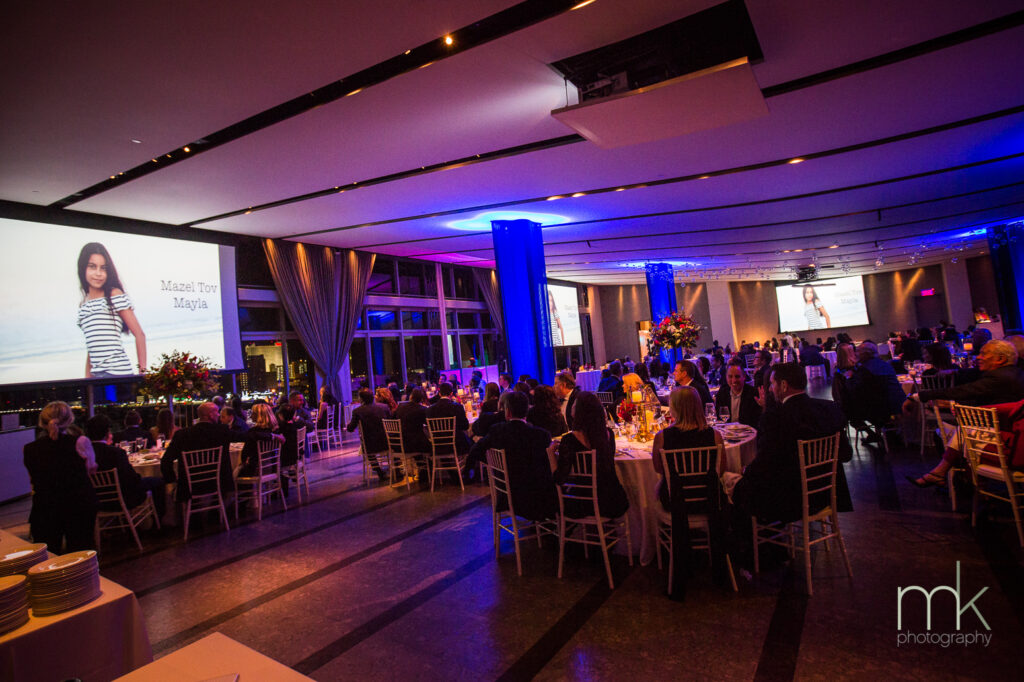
point(108, 488)
point(689, 468)
point(442, 432)
point(979, 433)
point(202, 466)
point(393, 430)
point(300, 444)
point(818, 461)
point(270, 457)
point(581, 483)
point(497, 479)
point(604, 397)
point(933, 382)
point(751, 360)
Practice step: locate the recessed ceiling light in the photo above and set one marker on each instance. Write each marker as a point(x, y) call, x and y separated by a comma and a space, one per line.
point(835, 245)
point(704, 177)
point(354, 92)
point(557, 196)
point(448, 40)
point(111, 177)
point(620, 189)
point(187, 150)
point(796, 160)
point(134, 141)
point(581, 4)
point(797, 250)
point(579, 194)
point(153, 160)
point(426, 65)
point(408, 51)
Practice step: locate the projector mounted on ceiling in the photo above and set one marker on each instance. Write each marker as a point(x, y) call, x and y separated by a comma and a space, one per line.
point(806, 273)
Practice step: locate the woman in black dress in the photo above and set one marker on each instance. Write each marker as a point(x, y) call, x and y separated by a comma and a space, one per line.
point(546, 412)
point(327, 403)
point(63, 499)
point(689, 430)
point(591, 433)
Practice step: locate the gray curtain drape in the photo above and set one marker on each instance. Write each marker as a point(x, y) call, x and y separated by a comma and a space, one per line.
point(322, 291)
point(487, 281)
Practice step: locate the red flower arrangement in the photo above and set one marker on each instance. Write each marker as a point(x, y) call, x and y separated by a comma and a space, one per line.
point(179, 375)
point(626, 410)
point(677, 330)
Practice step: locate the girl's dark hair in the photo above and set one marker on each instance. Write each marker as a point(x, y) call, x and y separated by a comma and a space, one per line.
point(491, 390)
point(165, 422)
point(641, 371)
point(939, 355)
point(590, 420)
point(112, 282)
point(546, 400)
point(803, 293)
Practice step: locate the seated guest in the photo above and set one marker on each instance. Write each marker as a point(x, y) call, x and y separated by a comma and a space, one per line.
point(938, 356)
point(491, 393)
point(369, 415)
point(1018, 343)
point(165, 428)
point(241, 415)
point(770, 487)
point(830, 344)
point(486, 420)
point(446, 407)
point(524, 388)
point(689, 430)
point(63, 499)
point(383, 396)
point(396, 394)
point(133, 429)
point(875, 393)
point(739, 398)
point(641, 371)
point(686, 374)
point(762, 369)
point(413, 415)
point(529, 470)
point(524, 378)
point(704, 367)
point(505, 382)
point(288, 425)
point(810, 356)
point(717, 371)
point(545, 412)
point(568, 392)
point(264, 430)
point(590, 433)
point(207, 433)
point(298, 402)
point(658, 369)
point(327, 404)
point(133, 487)
point(1000, 382)
point(846, 356)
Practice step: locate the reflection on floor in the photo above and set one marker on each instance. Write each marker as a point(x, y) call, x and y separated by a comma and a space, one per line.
point(380, 583)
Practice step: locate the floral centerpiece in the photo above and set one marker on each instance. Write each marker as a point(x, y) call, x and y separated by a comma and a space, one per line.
point(179, 375)
point(626, 410)
point(677, 330)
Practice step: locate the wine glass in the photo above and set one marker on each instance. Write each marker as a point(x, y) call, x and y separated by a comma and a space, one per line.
point(723, 415)
point(709, 413)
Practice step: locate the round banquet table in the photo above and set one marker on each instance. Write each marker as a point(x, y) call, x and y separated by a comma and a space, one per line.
point(636, 473)
point(587, 380)
point(148, 463)
point(832, 357)
point(908, 383)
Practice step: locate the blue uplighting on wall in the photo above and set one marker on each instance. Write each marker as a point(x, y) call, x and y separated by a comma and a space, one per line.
point(661, 294)
point(483, 221)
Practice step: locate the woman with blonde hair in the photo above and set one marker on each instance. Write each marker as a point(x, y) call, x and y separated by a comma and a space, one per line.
point(689, 430)
point(633, 382)
point(63, 499)
point(264, 429)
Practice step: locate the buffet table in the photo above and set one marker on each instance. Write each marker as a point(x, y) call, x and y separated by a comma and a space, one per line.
point(99, 641)
point(636, 473)
point(215, 657)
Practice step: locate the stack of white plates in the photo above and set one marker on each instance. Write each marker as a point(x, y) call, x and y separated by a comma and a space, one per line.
point(20, 559)
point(63, 583)
point(13, 603)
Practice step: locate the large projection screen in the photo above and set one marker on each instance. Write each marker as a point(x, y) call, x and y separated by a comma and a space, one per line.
point(565, 316)
point(59, 324)
point(822, 304)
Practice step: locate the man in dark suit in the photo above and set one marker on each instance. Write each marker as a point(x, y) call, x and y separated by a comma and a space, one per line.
point(207, 433)
point(762, 369)
point(567, 391)
point(298, 402)
point(133, 487)
point(529, 471)
point(413, 415)
point(739, 398)
point(770, 487)
point(687, 374)
point(369, 414)
point(446, 407)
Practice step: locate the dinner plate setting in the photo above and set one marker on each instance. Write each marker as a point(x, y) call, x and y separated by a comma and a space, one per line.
point(64, 582)
point(18, 560)
point(13, 602)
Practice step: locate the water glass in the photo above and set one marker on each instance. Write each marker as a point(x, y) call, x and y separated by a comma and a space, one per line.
point(723, 415)
point(709, 412)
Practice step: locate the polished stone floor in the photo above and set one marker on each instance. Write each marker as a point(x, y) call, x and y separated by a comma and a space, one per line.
point(381, 583)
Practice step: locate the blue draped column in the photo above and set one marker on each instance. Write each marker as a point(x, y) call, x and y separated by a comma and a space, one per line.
point(522, 278)
point(1006, 249)
point(661, 294)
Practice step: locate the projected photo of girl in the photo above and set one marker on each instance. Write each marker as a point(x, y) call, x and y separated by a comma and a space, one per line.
point(105, 315)
point(814, 311)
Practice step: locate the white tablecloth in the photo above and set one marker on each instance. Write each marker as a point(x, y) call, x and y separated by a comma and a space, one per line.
point(212, 657)
point(99, 641)
point(152, 468)
point(832, 357)
point(636, 473)
point(587, 380)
